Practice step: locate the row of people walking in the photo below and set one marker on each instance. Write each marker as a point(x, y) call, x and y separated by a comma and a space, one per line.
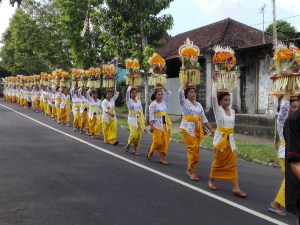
point(90, 114)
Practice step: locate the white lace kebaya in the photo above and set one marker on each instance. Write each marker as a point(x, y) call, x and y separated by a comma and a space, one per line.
point(222, 120)
point(188, 109)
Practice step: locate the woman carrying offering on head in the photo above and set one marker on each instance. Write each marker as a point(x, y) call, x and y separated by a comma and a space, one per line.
point(191, 127)
point(109, 119)
point(84, 108)
point(65, 106)
point(287, 109)
point(136, 120)
point(94, 113)
point(224, 165)
point(160, 124)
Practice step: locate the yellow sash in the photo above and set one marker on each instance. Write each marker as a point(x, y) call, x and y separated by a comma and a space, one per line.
point(282, 143)
point(77, 106)
point(65, 101)
point(95, 109)
point(198, 125)
point(83, 106)
point(141, 117)
point(168, 120)
point(224, 141)
point(58, 99)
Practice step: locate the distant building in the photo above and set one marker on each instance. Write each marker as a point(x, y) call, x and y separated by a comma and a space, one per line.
point(253, 60)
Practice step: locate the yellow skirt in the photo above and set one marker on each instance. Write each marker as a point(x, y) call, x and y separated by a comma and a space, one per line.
point(46, 108)
point(65, 114)
point(76, 119)
point(160, 140)
point(95, 125)
point(193, 145)
point(35, 104)
point(224, 166)
point(110, 131)
point(84, 120)
point(280, 199)
point(135, 135)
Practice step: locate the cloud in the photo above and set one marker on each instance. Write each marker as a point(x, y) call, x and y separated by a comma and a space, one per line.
point(219, 9)
point(6, 11)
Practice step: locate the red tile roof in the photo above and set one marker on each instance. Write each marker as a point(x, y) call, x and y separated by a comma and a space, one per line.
point(226, 32)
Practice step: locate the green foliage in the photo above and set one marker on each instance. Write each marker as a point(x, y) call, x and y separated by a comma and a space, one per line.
point(284, 30)
point(247, 150)
point(130, 25)
point(121, 87)
point(47, 34)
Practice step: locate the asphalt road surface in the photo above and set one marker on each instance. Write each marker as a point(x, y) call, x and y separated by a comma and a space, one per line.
point(50, 175)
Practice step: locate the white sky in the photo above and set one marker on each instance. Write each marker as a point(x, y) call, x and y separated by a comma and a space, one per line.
point(190, 14)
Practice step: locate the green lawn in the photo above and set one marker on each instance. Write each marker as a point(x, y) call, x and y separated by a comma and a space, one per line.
point(122, 109)
point(247, 150)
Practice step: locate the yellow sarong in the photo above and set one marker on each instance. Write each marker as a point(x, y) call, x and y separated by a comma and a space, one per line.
point(193, 143)
point(160, 140)
point(135, 135)
point(95, 125)
point(65, 112)
point(280, 198)
point(110, 130)
point(84, 120)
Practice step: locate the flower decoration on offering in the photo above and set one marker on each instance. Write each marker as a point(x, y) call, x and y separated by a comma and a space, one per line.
point(158, 75)
point(45, 79)
point(133, 76)
point(76, 76)
point(93, 75)
point(286, 69)
point(225, 68)
point(109, 75)
point(190, 70)
point(65, 79)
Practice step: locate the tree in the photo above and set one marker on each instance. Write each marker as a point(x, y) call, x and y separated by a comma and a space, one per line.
point(80, 36)
point(131, 25)
point(284, 30)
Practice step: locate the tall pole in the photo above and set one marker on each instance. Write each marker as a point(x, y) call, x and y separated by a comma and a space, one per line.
point(262, 10)
point(274, 24)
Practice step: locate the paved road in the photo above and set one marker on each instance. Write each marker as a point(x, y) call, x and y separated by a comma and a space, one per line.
point(53, 178)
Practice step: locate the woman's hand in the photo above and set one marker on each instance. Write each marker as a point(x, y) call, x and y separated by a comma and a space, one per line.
point(183, 87)
point(151, 129)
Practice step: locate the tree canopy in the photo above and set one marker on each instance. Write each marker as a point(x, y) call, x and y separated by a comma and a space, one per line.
point(284, 30)
point(48, 34)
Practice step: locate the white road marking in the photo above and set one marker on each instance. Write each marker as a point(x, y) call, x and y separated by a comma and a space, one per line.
point(224, 200)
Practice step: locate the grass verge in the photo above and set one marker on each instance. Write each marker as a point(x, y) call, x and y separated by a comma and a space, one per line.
point(249, 151)
point(246, 150)
point(122, 109)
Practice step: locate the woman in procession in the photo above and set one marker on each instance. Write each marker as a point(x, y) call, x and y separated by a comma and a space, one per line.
point(94, 113)
point(84, 107)
point(191, 127)
point(109, 118)
point(224, 165)
point(65, 106)
point(36, 98)
point(136, 120)
point(287, 109)
point(76, 102)
point(160, 125)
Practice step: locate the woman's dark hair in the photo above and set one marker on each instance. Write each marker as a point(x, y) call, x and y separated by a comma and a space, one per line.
point(222, 95)
point(186, 91)
point(133, 89)
point(153, 96)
